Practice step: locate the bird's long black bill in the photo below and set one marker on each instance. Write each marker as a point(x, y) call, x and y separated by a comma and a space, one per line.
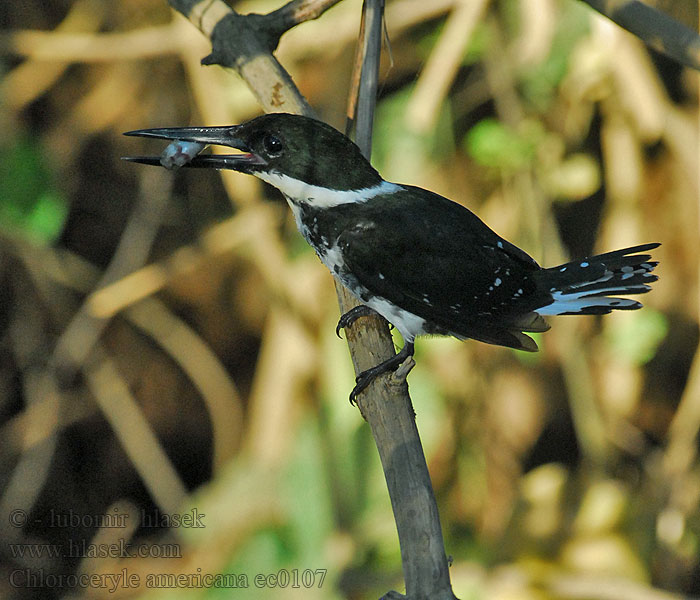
point(188, 142)
point(221, 136)
point(208, 161)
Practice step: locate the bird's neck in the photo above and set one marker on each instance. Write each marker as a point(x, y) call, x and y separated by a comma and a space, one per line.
point(320, 197)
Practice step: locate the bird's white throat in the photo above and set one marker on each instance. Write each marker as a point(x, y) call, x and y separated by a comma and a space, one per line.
point(323, 197)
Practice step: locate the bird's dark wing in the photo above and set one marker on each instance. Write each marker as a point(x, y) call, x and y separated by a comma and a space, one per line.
point(438, 260)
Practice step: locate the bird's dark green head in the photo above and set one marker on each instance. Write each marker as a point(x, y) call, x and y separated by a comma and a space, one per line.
point(308, 150)
point(281, 147)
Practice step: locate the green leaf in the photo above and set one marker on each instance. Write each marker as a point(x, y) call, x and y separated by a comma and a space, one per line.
point(30, 203)
point(493, 144)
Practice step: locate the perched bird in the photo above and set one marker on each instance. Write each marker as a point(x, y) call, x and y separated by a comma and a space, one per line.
point(426, 264)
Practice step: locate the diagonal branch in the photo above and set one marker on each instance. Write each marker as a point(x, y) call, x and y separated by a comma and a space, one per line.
point(257, 33)
point(238, 46)
point(655, 28)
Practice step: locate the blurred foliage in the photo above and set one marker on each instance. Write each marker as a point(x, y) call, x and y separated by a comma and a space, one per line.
point(637, 337)
point(168, 341)
point(541, 80)
point(397, 150)
point(493, 144)
point(32, 204)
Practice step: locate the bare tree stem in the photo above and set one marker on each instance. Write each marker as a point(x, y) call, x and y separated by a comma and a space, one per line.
point(389, 410)
point(385, 404)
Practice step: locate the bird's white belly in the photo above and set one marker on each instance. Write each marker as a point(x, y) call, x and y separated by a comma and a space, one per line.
point(408, 324)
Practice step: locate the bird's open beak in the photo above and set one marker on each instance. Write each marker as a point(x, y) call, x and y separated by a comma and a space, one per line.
point(188, 142)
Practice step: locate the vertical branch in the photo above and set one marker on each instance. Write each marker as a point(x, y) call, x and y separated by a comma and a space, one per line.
point(388, 409)
point(243, 44)
point(370, 50)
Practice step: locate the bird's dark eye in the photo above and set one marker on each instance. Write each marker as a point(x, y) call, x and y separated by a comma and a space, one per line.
point(272, 145)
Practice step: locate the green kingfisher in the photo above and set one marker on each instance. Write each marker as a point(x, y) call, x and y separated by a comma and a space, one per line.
point(426, 264)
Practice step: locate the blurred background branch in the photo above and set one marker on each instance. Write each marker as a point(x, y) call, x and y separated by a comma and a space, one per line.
point(655, 28)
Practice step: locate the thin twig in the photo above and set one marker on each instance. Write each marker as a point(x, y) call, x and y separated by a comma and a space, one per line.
point(148, 280)
point(297, 11)
point(204, 369)
point(133, 430)
point(371, 48)
point(355, 80)
point(83, 331)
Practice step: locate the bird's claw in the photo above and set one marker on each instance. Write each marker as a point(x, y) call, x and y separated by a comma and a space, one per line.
point(362, 381)
point(352, 315)
point(399, 365)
